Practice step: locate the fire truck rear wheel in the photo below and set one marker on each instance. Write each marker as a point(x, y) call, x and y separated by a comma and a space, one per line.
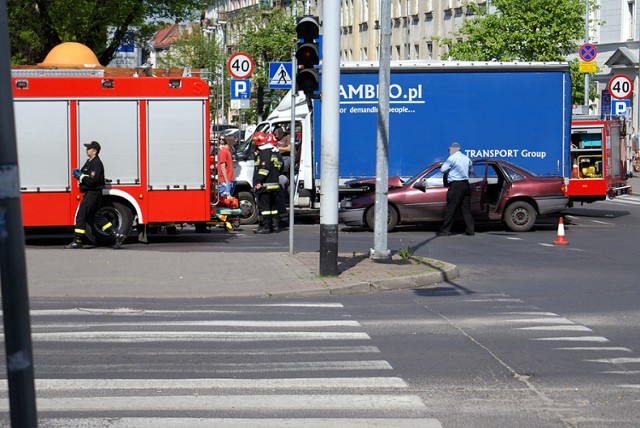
point(247, 205)
point(120, 217)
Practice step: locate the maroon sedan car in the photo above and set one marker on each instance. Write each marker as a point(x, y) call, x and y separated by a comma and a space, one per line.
point(500, 191)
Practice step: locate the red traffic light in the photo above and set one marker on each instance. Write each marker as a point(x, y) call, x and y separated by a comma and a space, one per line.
point(307, 55)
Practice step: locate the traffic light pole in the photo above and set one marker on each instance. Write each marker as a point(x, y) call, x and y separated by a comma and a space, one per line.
point(330, 137)
point(292, 157)
point(13, 270)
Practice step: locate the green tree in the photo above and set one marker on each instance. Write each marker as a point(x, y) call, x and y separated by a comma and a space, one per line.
point(531, 30)
point(267, 35)
point(37, 26)
point(195, 49)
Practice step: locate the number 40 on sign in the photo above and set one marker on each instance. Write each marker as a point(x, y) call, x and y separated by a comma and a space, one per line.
point(240, 65)
point(620, 87)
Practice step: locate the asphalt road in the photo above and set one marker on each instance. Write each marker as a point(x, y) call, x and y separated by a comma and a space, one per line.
point(530, 334)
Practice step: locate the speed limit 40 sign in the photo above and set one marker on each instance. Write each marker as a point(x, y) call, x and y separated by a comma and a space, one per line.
point(240, 65)
point(620, 87)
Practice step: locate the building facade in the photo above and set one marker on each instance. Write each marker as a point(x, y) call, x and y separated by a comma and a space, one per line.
point(417, 25)
point(615, 31)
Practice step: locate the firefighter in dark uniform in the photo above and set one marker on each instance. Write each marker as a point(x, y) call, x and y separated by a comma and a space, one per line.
point(91, 181)
point(266, 183)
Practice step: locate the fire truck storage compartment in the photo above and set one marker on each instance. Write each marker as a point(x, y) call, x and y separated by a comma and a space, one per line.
point(42, 128)
point(590, 166)
point(176, 144)
point(114, 124)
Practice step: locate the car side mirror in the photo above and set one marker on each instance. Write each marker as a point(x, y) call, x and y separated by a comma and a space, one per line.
point(420, 184)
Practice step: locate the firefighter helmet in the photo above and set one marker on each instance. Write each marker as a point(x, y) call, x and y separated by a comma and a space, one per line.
point(260, 138)
point(271, 139)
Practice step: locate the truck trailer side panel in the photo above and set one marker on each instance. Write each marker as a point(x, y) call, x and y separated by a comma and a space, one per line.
point(521, 115)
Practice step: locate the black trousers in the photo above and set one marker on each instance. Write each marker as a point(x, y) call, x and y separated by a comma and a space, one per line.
point(268, 200)
point(88, 212)
point(458, 198)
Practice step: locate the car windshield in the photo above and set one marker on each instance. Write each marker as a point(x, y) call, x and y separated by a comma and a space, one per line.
point(432, 169)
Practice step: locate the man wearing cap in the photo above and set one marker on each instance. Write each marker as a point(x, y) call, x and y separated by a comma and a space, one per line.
point(91, 181)
point(457, 168)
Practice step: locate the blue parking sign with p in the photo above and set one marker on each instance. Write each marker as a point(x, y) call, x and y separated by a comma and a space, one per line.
point(619, 107)
point(240, 89)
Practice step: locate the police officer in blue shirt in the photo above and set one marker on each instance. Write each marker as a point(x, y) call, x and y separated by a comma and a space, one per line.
point(457, 168)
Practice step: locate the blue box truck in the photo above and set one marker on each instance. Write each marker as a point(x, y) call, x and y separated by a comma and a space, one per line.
point(519, 112)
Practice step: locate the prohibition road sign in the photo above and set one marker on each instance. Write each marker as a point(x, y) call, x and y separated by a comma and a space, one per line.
point(620, 87)
point(587, 52)
point(240, 65)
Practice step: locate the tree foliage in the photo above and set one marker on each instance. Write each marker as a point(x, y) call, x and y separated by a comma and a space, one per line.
point(37, 26)
point(195, 49)
point(529, 30)
point(267, 36)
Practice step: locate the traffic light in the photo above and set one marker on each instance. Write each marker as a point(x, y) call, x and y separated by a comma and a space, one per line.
point(260, 108)
point(308, 55)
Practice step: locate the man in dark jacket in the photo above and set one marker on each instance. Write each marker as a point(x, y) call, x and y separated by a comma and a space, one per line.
point(266, 185)
point(91, 181)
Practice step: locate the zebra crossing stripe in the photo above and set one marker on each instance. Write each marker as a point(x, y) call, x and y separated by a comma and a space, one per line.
point(598, 339)
point(214, 323)
point(49, 385)
point(256, 403)
point(244, 423)
point(558, 320)
point(191, 336)
point(557, 328)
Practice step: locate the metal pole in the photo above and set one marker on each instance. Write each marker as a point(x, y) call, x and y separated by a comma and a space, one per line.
point(330, 138)
point(380, 251)
point(292, 154)
point(408, 34)
point(13, 269)
point(586, 40)
point(224, 57)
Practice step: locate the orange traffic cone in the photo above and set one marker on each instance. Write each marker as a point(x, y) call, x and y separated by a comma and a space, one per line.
point(560, 239)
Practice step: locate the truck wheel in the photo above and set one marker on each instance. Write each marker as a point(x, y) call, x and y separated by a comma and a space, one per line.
point(520, 216)
point(120, 217)
point(392, 218)
point(247, 205)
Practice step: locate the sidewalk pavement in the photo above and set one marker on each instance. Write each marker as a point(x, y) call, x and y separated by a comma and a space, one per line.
point(103, 272)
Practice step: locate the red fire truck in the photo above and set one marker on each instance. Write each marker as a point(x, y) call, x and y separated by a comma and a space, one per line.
point(597, 156)
point(155, 143)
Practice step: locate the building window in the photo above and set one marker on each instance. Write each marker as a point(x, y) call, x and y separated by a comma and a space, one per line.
point(631, 15)
point(429, 50)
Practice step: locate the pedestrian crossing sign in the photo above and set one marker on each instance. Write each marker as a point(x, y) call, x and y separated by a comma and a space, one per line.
point(280, 74)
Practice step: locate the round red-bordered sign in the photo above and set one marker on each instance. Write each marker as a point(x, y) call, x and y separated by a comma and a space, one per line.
point(588, 52)
point(620, 87)
point(240, 65)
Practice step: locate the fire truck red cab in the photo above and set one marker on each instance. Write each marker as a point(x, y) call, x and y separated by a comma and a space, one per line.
point(155, 143)
point(597, 159)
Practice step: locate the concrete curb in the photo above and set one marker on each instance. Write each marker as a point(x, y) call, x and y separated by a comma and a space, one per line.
point(446, 272)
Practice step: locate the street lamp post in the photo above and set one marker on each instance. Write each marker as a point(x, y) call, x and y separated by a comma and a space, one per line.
point(223, 26)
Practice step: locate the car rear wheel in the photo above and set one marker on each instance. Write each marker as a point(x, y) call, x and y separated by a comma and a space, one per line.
point(520, 216)
point(392, 218)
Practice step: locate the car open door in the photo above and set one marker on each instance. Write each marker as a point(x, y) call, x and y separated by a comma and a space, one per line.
point(477, 188)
